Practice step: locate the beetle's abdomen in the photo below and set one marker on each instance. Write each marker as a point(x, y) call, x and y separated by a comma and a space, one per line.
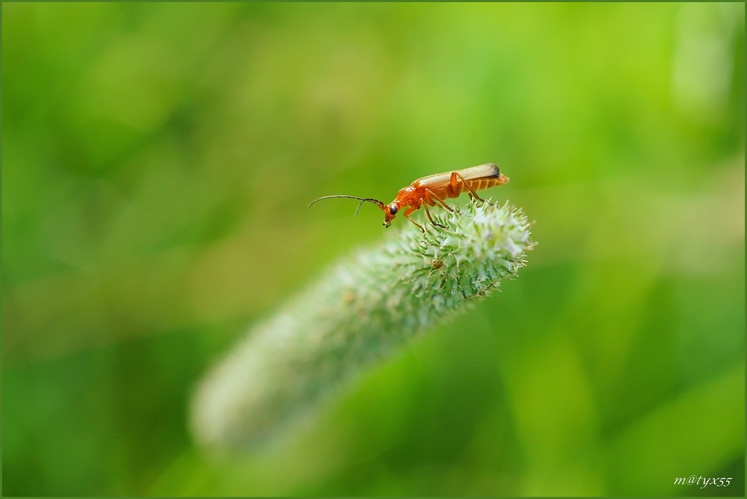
point(484, 183)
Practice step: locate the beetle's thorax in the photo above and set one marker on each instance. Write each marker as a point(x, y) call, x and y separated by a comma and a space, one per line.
point(405, 196)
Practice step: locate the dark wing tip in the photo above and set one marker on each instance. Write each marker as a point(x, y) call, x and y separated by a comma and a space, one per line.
point(496, 171)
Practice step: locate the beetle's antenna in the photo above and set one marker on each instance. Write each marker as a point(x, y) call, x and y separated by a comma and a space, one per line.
point(362, 200)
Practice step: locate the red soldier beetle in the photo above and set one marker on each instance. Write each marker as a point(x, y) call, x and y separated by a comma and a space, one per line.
point(433, 190)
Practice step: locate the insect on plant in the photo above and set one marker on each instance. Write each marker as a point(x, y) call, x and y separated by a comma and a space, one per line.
point(433, 190)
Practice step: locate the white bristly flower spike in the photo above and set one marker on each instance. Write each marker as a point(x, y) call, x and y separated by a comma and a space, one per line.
point(360, 311)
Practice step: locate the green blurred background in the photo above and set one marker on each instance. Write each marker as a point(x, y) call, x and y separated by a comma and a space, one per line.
point(157, 164)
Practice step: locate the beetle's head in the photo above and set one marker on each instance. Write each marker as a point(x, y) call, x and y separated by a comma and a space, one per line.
point(390, 212)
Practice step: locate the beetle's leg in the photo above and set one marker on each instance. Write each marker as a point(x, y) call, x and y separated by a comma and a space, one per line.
point(413, 221)
point(428, 213)
point(407, 213)
point(472, 192)
point(428, 199)
point(431, 196)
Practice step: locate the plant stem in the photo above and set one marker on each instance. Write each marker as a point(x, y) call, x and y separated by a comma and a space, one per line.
point(358, 312)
